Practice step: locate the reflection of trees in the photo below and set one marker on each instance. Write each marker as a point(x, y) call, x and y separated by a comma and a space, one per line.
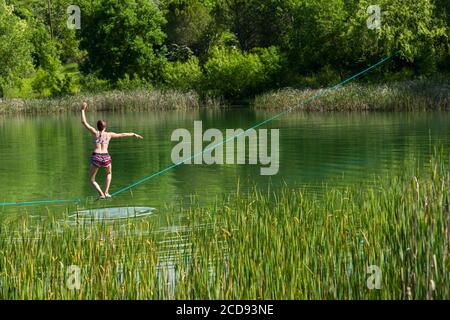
point(357, 144)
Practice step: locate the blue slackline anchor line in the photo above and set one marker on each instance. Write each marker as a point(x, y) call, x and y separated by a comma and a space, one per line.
point(313, 97)
point(17, 203)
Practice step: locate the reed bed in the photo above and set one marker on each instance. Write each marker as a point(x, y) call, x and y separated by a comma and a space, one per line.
point(112, 101)
point(413, 95)
point(279, 244)
point(398, 96)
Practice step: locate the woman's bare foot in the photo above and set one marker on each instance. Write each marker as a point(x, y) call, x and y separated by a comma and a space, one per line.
point(101, 196)
point(107, 195)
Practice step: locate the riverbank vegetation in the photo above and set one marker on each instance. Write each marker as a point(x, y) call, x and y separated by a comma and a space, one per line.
point(131, 100)
point(387, 240)
point(232, 50)
point(416, 95)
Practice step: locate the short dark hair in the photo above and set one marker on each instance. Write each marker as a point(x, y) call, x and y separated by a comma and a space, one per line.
point(101, 125)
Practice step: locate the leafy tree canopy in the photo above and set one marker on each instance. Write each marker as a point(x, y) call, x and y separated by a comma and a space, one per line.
point(124, 37)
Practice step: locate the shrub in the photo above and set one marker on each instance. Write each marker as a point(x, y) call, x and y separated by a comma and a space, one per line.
point(91, 83)
point(127, 83)
point(53, 80)
point(183, 75)
point(234, 74)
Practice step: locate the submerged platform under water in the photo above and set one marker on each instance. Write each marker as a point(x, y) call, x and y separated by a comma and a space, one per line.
point(113, 213)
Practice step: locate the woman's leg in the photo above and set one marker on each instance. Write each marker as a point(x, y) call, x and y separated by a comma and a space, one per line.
point(92, 173)
point(108, 179)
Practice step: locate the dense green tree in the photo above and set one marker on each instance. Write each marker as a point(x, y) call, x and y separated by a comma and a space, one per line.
point(52, 16)
point(232, 48)
point(15, 48)
point(65, 36)
point(124, 37)
point(50, 78)
point(331, 37)
point(52, 41)
point(188, 25)
point(442, 11)
point(45, 49)
point(317, 43)
point(256, 23)
point(408, 26)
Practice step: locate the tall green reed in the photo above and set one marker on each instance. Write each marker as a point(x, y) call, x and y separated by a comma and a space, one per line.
point(396, 96)
point(284, 243)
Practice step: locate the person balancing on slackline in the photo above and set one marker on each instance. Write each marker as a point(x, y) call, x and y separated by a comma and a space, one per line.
point(100, 157)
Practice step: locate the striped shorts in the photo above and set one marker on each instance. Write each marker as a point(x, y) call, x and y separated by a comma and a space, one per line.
point(102, 160)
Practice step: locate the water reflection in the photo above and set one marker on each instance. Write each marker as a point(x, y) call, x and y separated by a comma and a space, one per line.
point(47, 157)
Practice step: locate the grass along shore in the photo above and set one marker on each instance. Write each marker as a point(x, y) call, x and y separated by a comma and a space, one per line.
point(111, 101)
point(282, 244)
point(393, 96)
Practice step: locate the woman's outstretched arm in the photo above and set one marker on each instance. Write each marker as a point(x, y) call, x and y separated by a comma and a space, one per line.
point(83, 118)
point(114, 135)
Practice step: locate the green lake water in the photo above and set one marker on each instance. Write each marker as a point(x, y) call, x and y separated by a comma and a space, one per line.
point(47, 157)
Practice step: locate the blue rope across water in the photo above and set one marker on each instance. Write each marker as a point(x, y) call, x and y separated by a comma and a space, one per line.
point(315, 96)
point(38, 202)
point(153, 175)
